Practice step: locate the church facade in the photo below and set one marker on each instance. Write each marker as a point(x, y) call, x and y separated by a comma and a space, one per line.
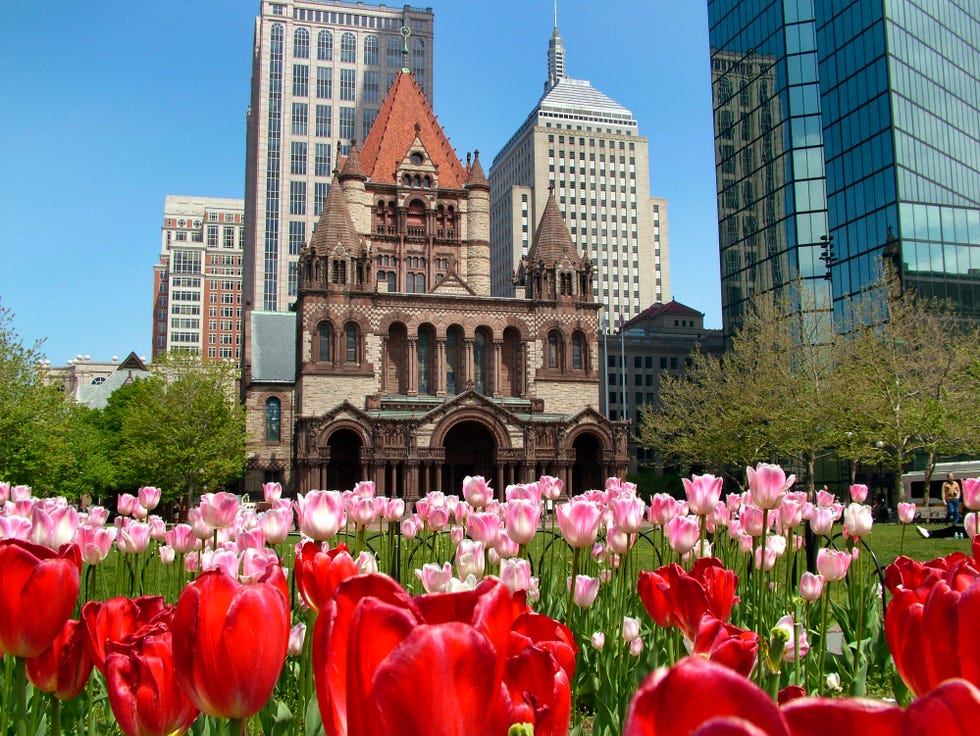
point(397, 365)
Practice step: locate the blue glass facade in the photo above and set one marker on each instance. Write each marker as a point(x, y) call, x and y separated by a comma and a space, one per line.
point(883, 142)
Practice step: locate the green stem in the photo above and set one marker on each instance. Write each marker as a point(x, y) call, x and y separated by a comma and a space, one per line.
point(571, 586)
point(8, 670)
point(90, 712)
point(860, 620)
point(54, 728)
point(761, 572)
point(236, 726)
point(20, 696)
point(901, 544)
point(823, 635)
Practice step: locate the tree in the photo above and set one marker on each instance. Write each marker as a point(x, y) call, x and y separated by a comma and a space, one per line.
point(34, 417)
point(181, 429)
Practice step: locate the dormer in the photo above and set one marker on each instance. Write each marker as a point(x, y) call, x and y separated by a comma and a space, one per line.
point(416, 170)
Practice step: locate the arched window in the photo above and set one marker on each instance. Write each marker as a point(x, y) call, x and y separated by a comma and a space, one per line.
point(301, 43)
point(396, 380)
point(578, 351)
point(324, 340)
point(554, 350)
point(425, 355)
point(454, 360)
point(351, 342)
point(371, 50)
point(348, 48)
point(324, 46)
point(273, 414)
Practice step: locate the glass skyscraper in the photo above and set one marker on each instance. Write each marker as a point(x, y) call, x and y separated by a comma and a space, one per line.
point(847, 131)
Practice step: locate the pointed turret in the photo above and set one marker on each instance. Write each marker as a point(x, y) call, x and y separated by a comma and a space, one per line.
point(352, 166)
point(552, 242)
point(476, 179)
point(335, 226)
point(553, 268)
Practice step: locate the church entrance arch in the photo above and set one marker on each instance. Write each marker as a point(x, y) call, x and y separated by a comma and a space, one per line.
point(344, 469)
point(470, 450)
point(587, 466)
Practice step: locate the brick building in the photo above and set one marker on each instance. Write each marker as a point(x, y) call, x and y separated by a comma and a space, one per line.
point(397, 365)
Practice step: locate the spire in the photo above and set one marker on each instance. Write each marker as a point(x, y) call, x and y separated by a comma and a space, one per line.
point(352, 166)
point(335, 225)
point(556, 56)
point(552, 241)
point(476, 178)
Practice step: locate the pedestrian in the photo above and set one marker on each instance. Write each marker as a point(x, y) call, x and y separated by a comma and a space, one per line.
point(951, 497)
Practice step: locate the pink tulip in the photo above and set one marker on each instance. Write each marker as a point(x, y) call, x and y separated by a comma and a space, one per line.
point(579, 522)
point(53, 525)
point(272, 492)
point(476, 491)
point(703, 493)
point(469, 559)
point(857, 520)
point(796, 641)
point(364, 489)
point(768, 484)
point(970, 525)
point(825, 499)
point(363, 510)
point(133, 538)
point(218, 510)
point(682, 533)
point(199, 528)
point(971, 493)
point(663, 508)
point(906, 512)
point(811, 586)
point(394, 509)
point(483, 527)
point(149, 497)
point(791, 513)
point(410, 526)
point(752, 520)
point(192, 562)
point(631, 628)
point(550, 487)
point(438, 518)
point(505, 547)
point(182, 539)
point(618, 541)
point(859, 492)
point(158, 528)
point(627, 511)
point(521, 519)
point(95, 543)
point(297, 637)
point(833, 564)
point(126, 503)
point(223, 559)
point(822, 520)
point(636, 647)
point(523, 491)
point(598, 640)
point(516, 573)
point(15, 527)
point(4, 492)
point(585, 590)
point(94, 516)
point(435, 579)
point(167, 554)
point(770, 560)
point(367, 563)
point(320, 514)
point(275, 524)
point(249, 539)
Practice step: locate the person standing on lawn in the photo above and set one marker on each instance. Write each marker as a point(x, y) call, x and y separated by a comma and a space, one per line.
point(951, 496)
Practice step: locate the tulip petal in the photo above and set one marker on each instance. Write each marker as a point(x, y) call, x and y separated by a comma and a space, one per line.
point(842, 717)
point(447, 667)
point(951, 709)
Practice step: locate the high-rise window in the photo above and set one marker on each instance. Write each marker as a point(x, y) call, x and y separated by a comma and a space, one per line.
point(418, 61)
point(301, 43)
point(321, 166)
point(299, 121)
point(370, 91)
point(348, 48)
point(347, 83)
point(371, 50)
point(297, 197)
point(297, 157)
point(393, 52)
point(370, 115)
point(297, 236)
point(301, 80)
point(324, 82)
point(320, 190)
point(347, 118)
point(212, 236)
point(228, 238)
point(323, 126)
point(324, 46)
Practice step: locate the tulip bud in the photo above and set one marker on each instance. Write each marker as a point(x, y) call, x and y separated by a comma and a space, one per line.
point(636, 647)
point(585, 590)
point(859, 492)
point(598, 640)
point(631, 628)
point(297, 635)
point(906, 512)
point(811, 586)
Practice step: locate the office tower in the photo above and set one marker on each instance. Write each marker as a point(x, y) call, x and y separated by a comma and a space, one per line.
point(847, 133)
point(587, 148)
point(197, 284)
point(397, 365)
point(319, 73)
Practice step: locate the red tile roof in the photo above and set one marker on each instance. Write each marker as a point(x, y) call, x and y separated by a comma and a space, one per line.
point(394, 131)
point(670, 307)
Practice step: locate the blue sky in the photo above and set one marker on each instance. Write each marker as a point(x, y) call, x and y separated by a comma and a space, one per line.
point(107, 107)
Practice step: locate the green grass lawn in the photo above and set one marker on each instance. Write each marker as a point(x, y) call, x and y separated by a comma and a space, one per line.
point(886, 542)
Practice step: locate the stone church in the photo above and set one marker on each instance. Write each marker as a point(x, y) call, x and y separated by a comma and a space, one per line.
point(396, 365)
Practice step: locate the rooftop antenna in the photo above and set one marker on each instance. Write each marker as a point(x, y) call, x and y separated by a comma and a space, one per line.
point(556, 13)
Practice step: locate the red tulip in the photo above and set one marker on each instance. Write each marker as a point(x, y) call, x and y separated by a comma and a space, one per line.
point(930, 624)
point(480, 659)
point(142, 685)
point(727, 644)
point(673, 597)
point(64, 667)
point(38, 590)
point(673, 702)
point(318, 573)
point(232, 640)
point(951, 709)
point(115, 619)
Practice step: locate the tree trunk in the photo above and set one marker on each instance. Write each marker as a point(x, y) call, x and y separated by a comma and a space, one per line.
point(927, 478)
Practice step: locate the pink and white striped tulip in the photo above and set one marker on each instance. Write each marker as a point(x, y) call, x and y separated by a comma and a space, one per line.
point(752, 520)
point(768, 484)
point(271, 492)
point(367, 563)
point(515, 573)
point(394, 509)
point(521, 519)
point(796, 641)
point(167, 554)
point(505, 547)
point(149, 497)
point(53, 525)
point(906, 512)
point(822, 520)
point(469, 559)
point(550, 487)
point(971, 493)
point(410, 526)
point(218, 510)
point(94, 516)
point(598, 640)
point(585, 590)
point(275, 524)
point(631, 628)
point(133, 537)
point(15, 527)
point(682, 533)
point(476, 491)
point(198, 526)
point(811, 586)
point(627, 511)
point(857, 520)
point(484, 527)
point(703, 493)
point(126, 503)
point(833, 564)
point(579, 522)
point(663, 508)
point(825, 499)
point(320, 514)
point(438, 518)
point(297, 637)
point(181, 538)
point(364, 489)
point(158, 528)
point(859, 492)
point(95, 543)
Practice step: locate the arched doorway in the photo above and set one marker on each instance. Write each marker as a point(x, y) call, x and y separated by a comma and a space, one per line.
point(587, 468)
point(470, 450)
point(344, 468)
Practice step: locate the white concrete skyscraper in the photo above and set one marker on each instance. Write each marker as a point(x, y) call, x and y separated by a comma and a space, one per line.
point(320, 71)
point(587, 148)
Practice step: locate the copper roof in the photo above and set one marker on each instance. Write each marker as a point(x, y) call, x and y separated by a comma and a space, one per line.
point(405, 115)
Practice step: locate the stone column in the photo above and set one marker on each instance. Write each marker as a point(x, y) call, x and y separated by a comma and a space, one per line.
point(498, 352)
point(412, 366)
point(440, 377)
point(469, 377)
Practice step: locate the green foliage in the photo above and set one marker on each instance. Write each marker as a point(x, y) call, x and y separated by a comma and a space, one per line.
point(35, 447)
point(181, 429)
